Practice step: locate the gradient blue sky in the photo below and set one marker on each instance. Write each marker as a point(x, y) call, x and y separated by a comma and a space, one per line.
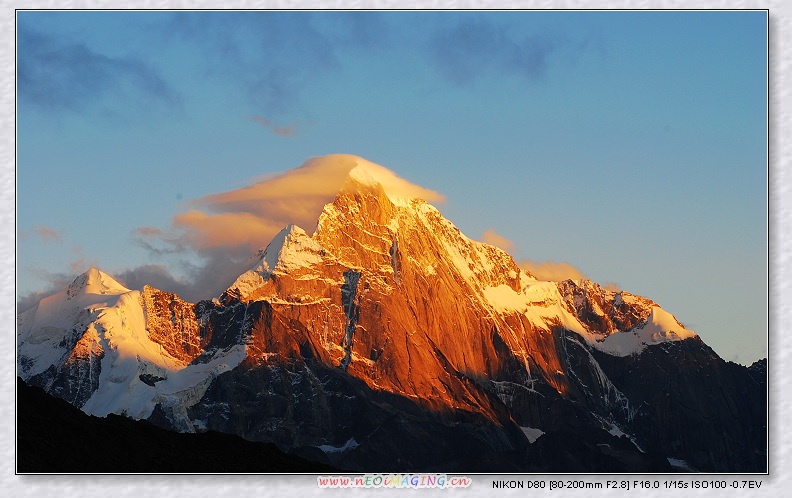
point(632, 145)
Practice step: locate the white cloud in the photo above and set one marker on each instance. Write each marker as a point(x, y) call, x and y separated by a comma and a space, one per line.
point(551, 271)
point(493, 238)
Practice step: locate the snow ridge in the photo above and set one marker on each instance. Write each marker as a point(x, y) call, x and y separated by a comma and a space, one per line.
point(135, 373)
point(291, 249)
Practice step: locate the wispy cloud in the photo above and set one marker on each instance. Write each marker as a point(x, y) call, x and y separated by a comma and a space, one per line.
point(494, 238)
point(465, 51)
point(156, 241)
point(232, 230)
point(273, 56)
point(156, 276)
point(80, 263)
point(146, 231)
point(43, 233)
point(542, 270)
point(283, 131)
point(551, 270)
point(54, 281)
point(58, 74)
point(47, 234)
point(27, 301)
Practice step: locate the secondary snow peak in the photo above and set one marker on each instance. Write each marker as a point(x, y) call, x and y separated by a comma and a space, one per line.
point(289, 251)
point(95, 281)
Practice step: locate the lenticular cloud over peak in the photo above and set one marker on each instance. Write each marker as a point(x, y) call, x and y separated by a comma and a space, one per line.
point(248, 217)
point(369, 173)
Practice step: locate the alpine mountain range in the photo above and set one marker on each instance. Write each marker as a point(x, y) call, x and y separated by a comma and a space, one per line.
point(389, 341)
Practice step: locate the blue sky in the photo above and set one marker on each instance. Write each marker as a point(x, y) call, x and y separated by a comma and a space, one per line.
point(630, 145)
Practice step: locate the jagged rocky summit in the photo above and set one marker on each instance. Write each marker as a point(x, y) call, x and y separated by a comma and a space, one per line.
point(389, 341)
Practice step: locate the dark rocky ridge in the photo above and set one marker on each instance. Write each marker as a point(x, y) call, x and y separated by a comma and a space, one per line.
point(55, 437)
point(695, 406)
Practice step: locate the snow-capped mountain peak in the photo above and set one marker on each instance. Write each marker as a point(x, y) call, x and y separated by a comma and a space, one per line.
point(95, 281)
point(289, 251)
point(387, 308)
point(336, 172)
point(370, 174)
point(88, 292)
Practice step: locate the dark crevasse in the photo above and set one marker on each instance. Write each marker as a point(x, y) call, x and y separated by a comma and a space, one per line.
point(352, 312)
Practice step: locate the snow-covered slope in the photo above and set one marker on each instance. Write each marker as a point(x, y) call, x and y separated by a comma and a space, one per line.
point(288, 252)
point(46, 333)
point(91, 343)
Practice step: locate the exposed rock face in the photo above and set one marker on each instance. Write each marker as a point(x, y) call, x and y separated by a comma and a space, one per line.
point(604, 311)
point(388, 340)
point(78, 377)
point(171, 322)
